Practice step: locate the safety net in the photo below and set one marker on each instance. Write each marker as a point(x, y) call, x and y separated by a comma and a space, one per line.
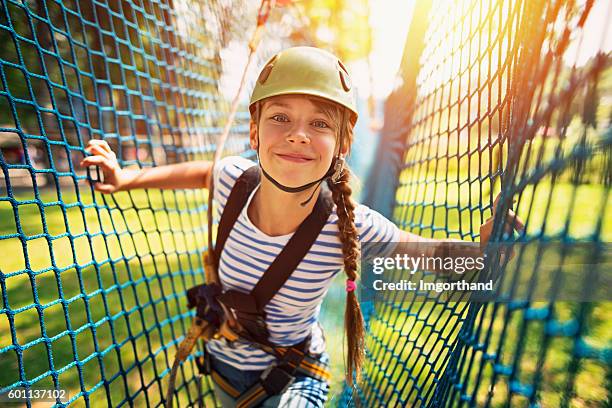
point(493, 96)
point(510, 96)
point(93, 286)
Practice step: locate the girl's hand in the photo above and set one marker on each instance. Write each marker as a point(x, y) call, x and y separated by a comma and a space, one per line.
point(512, 222)
point(103, 157)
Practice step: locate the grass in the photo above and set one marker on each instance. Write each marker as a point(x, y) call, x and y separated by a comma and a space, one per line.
point(111, 298)
point(122, 267)
point(424, 341)
point(123, 280)
point(422, 333)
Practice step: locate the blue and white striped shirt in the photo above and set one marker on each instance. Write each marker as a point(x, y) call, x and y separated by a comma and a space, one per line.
point(292, 314)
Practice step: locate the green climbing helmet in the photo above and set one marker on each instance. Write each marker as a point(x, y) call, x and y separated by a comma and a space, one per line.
point(306, 71)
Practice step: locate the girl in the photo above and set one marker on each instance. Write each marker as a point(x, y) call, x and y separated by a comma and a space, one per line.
point(302, 118)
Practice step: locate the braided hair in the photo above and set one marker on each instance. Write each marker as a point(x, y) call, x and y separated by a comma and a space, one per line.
point(353, 319)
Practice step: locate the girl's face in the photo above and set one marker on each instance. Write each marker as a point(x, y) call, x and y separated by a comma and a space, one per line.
point(297, 140)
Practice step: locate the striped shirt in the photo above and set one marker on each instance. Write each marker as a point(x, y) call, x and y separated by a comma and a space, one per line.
point(292, 314)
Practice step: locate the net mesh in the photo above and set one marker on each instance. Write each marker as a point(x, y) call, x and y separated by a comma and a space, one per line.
point(93, 287)
point(494, 95)
point(510, 96)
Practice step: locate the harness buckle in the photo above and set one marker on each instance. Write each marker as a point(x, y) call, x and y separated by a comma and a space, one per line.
point(254, 324)
point(275, 380)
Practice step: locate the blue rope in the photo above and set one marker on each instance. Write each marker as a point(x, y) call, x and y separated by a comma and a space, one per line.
point(108, 274)
point(478, 93)
point(92, 291)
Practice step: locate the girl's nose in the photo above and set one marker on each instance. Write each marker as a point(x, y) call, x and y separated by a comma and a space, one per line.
point(298, 135)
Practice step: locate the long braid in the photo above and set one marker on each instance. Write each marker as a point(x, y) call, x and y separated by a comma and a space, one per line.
point(353, 319)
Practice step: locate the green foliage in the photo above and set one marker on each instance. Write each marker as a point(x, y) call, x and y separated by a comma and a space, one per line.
point(341, 26)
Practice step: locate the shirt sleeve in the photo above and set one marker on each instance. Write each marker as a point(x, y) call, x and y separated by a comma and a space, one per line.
point(225, 174)
point(378, 236)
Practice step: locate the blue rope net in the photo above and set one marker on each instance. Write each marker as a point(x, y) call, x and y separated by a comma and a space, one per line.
point(495, 96)
point(93, 287)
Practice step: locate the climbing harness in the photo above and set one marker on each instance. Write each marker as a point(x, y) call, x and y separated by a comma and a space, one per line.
point(246, 311)
point(276, 379)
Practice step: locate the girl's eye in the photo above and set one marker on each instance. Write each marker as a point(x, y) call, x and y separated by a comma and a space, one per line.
point(280, 118)
point(320, 124)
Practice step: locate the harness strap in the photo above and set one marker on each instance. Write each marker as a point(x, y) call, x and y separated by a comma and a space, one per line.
point(292, 254)
point(244, 186)
point(249, 308)
point(224, 385)
point(276, 379)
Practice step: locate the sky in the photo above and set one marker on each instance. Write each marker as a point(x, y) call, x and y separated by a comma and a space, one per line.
point(390, 20)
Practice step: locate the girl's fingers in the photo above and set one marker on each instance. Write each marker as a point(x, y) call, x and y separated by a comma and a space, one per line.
point(97, 161)
point(100, 151)
point(511, 225)
point(88, 161)
point(90, 149)
point(100, 147)
point(515, 221)
point(101, 143)
point(104, 188)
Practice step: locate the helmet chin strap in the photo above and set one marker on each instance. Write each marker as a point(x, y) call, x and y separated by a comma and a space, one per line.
point(302, 187)
point(334, 172)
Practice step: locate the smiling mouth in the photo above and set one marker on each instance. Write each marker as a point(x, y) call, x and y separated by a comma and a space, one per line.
point(294, 158)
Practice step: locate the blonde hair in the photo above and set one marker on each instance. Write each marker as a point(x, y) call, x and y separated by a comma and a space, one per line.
point(345, 207)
